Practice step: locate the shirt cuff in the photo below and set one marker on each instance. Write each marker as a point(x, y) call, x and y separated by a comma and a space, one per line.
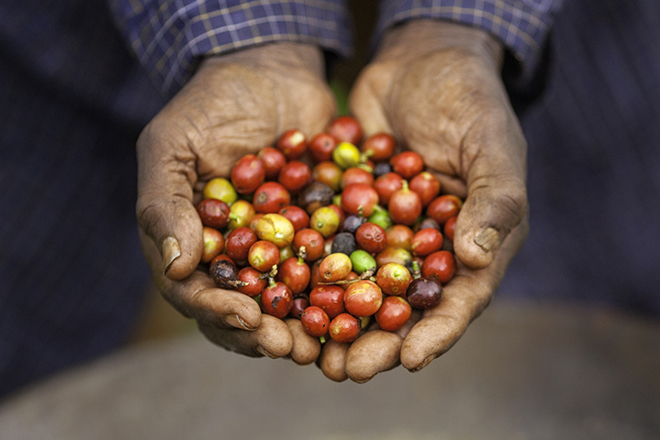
point(521, 25)
point(169, 37)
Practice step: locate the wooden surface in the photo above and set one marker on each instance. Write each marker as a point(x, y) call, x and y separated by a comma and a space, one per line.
point(520, 372)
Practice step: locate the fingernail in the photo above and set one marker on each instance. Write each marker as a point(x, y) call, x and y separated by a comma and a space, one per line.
point(263, 351)
point(171, 251)
point(487, 238)
point(236, 321)
point(423, 364)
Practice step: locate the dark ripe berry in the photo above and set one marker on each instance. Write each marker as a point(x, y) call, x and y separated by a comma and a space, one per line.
point(359, 199)
point(450, 226)
point(335, 267)
point(363, 298)
point(292, 144)
point(427, 223)
point(263, 255)
point(315, 321)
point(270, 197)
point(386, 185)
point(426, 241)
point(424, 293)
point(426, 185)
point(371, 237)
point(295, 274)
point(300, 303)
point(312, 241)
point(213, 213)
point(407, 164)
point(394, 255)
point(379, 147)
point(238, 243)
point(382, 168)
point(297, 216)
point(440, 266)
point(223, 271)
point(321, 146)
point(444, 207)
point(393, 279)
point(352, 223)
point(255, 283)
point(344, 243)
point(273, 161)
point(214, 243)
point(356, 175)
point(248, 174)
point(329, 298)
point(393, 314)
point(346, 129)
point(325, 221)
point(400, 236)
point(329, 174)
point(294, 176)
point(314, 196)
point(405, 206)
point(277, 300)
point(345, 328)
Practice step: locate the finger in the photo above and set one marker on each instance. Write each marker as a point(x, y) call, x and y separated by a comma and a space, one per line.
point(365, 103)
point(271, 339)
point(333, 360)
point(376, 351)
point(497, 197)
point(463, 300)
point(197, 296)
point(164, 208)
point(306, 348)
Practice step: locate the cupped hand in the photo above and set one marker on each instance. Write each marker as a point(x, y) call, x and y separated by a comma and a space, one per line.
point(234, 105)
point(436, 86)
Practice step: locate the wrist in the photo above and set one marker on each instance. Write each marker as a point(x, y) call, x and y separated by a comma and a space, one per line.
point(285, 57)
point(419, 37)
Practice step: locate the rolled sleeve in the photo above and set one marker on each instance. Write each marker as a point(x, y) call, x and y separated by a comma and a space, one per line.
point(169, 37)
point(521, 25)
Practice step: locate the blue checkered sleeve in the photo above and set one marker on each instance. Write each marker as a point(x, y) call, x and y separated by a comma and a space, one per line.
point(521, 25)
point(170, 36)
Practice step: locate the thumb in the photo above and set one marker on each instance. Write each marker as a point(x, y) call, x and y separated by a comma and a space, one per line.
point(166, 174)
point(496, 199)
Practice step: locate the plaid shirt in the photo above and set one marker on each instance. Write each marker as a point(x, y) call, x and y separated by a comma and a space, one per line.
point(170, 36)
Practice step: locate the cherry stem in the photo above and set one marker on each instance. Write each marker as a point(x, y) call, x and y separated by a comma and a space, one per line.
point(322, 339)
point(237, 283)
point(416, 271)
point(366, 275)
point(405, 185)
point(302, 254)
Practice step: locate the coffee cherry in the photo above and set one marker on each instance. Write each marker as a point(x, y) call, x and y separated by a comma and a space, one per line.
point(277, 299)
point(426, 241)
point(329, 174)
point(248, 174)
point(221, 189)
point(371, 238)
point(335, 267)
point(214, 243)
point(440, 266)
point(393, 314)
point(276, 229)
point(346, 129)
point(359, 199)
point(238, 243)
point(362, 261)
point(426, 185)
point(312, 241)
point(444, 207)
point(405, 206)
point(328, 298)
point(315, 321)
point(273, 161)
point(294, 273)
point(321, 146)
point(263, 255)
point(386, 185)
point(292, 144)
point(363, 298)
point(424, 293)
point(294, 176)
point(450, 226)
point(400, 236)
point(255, 283)
point(379, 147)
point(270, 197)
point(393, 279)
point(213, 213)
point(345, 328)
point(297, 216)
point(407, 164)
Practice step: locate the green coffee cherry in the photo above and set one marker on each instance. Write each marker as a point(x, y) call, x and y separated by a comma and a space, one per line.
point(362, 261)
point(381, 217)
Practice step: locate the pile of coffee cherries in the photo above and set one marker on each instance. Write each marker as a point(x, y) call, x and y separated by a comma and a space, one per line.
point(331, 234)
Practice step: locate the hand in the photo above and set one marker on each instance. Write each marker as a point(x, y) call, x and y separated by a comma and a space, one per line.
point(235, 104)
point(436, 86)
